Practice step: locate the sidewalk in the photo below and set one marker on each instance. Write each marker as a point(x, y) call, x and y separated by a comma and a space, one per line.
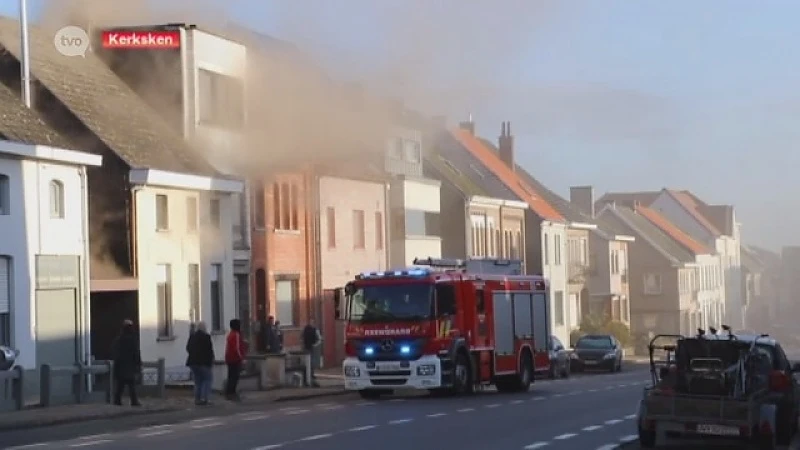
point(177, 400)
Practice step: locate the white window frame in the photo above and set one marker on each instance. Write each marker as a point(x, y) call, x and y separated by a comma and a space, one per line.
point(57, 205)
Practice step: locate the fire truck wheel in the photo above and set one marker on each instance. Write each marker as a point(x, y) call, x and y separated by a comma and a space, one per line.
point(525, 373)
point(462, 376)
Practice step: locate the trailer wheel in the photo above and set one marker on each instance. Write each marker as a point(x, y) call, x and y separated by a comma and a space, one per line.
point(647, 438)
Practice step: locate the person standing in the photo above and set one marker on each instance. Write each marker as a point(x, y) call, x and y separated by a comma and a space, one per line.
point(127, 363)
point(311, 342)
point(200, 361)
point(235, 350)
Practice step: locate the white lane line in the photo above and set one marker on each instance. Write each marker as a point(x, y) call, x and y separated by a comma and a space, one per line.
point(593, 427)
point(399, 421)
point(536, 445)
point(432, 416)
point(89, 443)
point(154, 433)
point(268, 447)
point(592, 390)
point(516, 402)
point(296, 412)
point(21, 447)
point(564, 436)
point(95, 436)
point(255, 417)
point(608, 447)
point(322, 405)
point(364, 428)
point(155, 427)
point(628, 438)
point(316, 437)
point(207, 425)
point(288, 408)
point(558, 395)
point(463, 410)
point(332, 407)
point(365, 403)
point(613, 421)
point(630, 416)
point(205, 419)
point(397, 400)
point(493, 405)
point(536, 399)
point(622, 385)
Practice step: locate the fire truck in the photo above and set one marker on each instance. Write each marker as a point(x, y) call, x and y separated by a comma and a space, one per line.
point(444, 325)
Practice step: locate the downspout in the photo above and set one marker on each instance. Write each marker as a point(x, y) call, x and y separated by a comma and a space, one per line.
point(86, 278)
point(132, 224)
point(387, 228)
point(467, 226)
point(316, 249)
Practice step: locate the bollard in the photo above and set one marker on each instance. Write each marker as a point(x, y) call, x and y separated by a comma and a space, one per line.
point(44, 384)
point(110, 385)
point(17, 388)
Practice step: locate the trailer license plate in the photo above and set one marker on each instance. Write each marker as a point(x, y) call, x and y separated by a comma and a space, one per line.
point(387, 367)
point(717, 430)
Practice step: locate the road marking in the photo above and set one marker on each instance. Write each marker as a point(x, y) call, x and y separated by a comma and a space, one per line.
point(463, 410)
point(322, 405)
point(399, 421)
point(397, 400)
point(364, 428)
point(628, 438)
point(207, 425)
point(558, 395)
point(622, 385)
point(630, 416)
point(88, 443)
point(332, 407)
point(296, 412)
point(20, 447)
point(365, 403)
point(493, 405)
point(436, 415)
point(608, 388)
point(206, 419)
point(289, 408)
point(316, 437)
point(613, 421)
point(536, 445)
point(255, 417)
point(95, 436)
point(536, 399)
point(565, 436)
point(154, 427)
point(268, 447)
point(592, 390)
point(593, 427)
point(154, 433)
point(516, 402)
point(608, 447)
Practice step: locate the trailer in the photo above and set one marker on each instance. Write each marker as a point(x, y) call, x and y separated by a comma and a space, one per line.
point(446, 326)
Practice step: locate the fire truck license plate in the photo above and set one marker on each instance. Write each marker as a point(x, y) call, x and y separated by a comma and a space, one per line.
point(387, 367)
point(717, 430)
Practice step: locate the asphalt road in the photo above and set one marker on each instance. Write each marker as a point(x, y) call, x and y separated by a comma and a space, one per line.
point(590, 412)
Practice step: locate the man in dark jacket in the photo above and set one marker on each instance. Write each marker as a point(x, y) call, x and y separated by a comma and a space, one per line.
point(311, 342)
point(127, 363)
point(200, 360)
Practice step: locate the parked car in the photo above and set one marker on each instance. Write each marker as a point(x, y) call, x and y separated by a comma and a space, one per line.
point(597, 352)
point(559, 359)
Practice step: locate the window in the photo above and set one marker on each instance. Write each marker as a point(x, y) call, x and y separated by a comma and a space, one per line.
point(276, 206)
point(516, 245)
point(557, 249)
point(330, 222)
point(422, 223)
point(286, 199)
point(412, 151)
point(5, 301)
point(445, 299)
point(259, 205)
point(394, 148)
point(238, 217)
point(294, 224)
point(286, 222)
point(164, 288)
point(359, 229)
point(546, 248)
point(652, 283)
point(478, 228)
point(614, 262)
point(217, 310)
point(221, 99)
point(56, 199)
point(625, 307)
point(378, 231)
point(195, 314)
point(162, 213)
point(558, 308)
point(287, 302)
point(215, 213)
point(5, 195)
point(191, 214)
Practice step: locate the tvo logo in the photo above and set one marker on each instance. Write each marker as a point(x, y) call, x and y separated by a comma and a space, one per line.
point(71, 41)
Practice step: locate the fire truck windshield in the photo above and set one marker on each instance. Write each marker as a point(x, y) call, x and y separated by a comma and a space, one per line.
point(389, 302)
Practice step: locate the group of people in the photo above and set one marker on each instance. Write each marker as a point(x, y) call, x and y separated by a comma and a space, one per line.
point(200, 357)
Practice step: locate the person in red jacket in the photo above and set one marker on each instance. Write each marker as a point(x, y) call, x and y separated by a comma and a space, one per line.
point(235, 351)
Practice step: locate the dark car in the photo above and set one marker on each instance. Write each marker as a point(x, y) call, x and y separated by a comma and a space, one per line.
point(597, 352)
point(559, 359)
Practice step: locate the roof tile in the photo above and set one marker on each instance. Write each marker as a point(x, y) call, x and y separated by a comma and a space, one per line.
point(640, 226)
point(673, 231)
point(692, 204)
point(20, 124)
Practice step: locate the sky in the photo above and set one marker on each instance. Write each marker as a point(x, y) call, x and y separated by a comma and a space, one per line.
point(621, 95)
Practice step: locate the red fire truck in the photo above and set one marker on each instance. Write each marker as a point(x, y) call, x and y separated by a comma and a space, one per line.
point(444, 325)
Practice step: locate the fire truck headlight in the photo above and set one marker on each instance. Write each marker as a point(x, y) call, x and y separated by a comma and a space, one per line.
point(404, 350)
point(369, 351)
point(352, 371)
point(426, 370)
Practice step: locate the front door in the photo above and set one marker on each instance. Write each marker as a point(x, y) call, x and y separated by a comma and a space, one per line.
point(57, 325)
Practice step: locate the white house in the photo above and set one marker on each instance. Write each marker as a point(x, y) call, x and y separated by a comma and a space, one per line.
point(44, 267)
point(185, 260)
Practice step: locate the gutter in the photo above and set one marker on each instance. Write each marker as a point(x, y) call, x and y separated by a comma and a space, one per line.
point(317, 249)
point(86, 279)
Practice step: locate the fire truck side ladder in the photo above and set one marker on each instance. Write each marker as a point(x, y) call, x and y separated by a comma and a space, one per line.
point(487, 266)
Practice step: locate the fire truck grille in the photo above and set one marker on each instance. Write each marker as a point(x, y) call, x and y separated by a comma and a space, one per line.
point(389, 382)
point(394, 373)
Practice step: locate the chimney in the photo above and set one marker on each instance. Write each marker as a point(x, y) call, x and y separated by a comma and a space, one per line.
point(582, 197)
point(506, 145)
point(469, 125)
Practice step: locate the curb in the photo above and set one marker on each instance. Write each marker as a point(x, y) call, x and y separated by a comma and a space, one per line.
point(310, 395)
point(87, 418)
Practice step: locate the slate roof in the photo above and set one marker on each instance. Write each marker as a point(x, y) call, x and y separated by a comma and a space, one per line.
point(461, 168)
point(492, 162)
point(640, 227)
point(692, 205)
point(105, 105)
point(672, 230)
point(626, 198)
point(20, 124)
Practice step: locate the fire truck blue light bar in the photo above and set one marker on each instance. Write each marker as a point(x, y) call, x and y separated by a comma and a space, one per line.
point(395, 273)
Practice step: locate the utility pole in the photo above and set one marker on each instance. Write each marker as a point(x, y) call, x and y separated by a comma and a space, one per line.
point(25, 46)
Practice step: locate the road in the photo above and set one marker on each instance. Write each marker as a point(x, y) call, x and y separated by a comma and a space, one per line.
point(586, 412)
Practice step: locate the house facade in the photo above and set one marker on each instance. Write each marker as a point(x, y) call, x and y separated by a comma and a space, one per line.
point(764, 286)
point(44, 257)
point(545, 228)
point(201, 92)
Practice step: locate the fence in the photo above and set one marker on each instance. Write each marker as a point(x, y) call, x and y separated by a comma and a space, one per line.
point(71, 384)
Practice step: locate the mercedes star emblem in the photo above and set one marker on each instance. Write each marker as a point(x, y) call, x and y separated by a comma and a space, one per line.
point(387, 345)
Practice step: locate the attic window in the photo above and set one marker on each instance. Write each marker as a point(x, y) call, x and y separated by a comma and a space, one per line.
point(480, 174)
point(450, 165)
